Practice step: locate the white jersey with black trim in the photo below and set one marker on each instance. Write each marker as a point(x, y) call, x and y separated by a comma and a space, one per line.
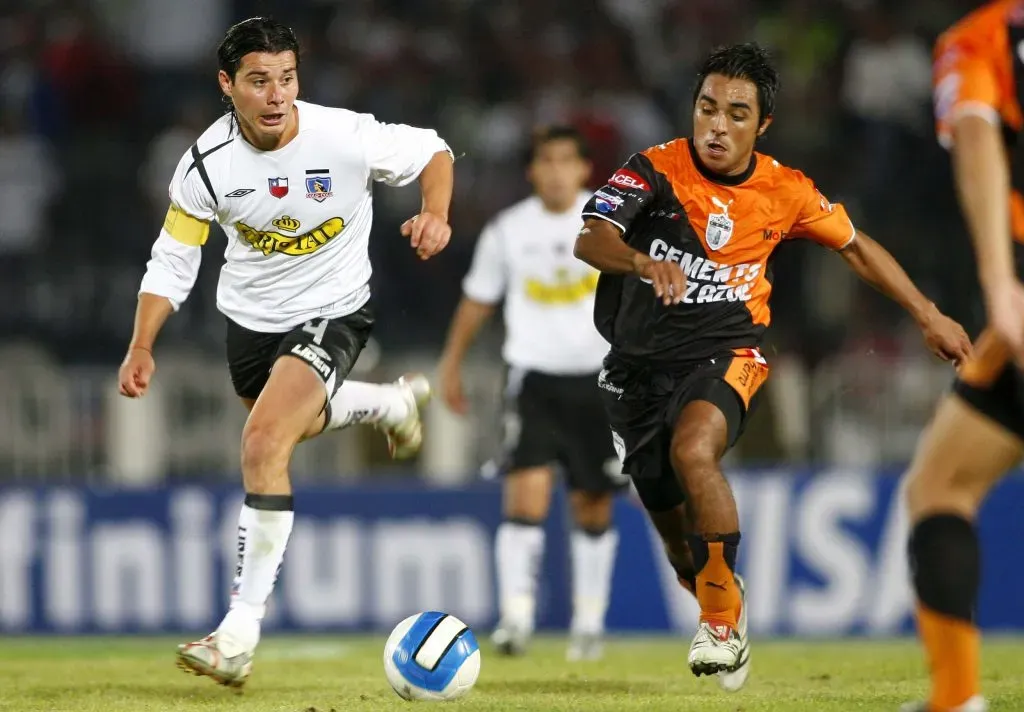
point(524, 256)
point(297, 218)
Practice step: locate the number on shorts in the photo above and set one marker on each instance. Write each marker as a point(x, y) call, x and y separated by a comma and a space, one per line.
point(316, 330)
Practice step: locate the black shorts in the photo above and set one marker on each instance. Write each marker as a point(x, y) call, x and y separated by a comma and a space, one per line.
point(643, 405)
point(993, 385)
point(559, 420)
point(329, 346)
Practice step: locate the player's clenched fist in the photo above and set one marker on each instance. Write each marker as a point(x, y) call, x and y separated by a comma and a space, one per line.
point(136, 371)
point(428, 233)
point(667, 278)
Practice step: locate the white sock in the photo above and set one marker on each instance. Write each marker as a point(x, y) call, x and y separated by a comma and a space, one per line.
point(262, 538)
point(593, 558)
point(517, 552)
point(357, 402)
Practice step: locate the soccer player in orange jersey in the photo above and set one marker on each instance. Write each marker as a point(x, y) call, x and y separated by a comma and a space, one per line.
point(683, 235)
point(977, 434)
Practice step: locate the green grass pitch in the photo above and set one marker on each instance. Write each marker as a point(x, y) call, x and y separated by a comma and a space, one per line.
point(345, 674)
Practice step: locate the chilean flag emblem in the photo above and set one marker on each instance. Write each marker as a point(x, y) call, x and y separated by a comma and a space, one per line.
point(278, 187)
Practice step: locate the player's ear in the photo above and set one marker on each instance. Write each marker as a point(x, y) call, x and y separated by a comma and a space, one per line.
point(531, 173)
point(226, 85)
point(764, 125)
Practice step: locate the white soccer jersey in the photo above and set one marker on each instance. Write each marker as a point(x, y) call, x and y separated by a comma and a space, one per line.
point(524, 255)
point(297, 218)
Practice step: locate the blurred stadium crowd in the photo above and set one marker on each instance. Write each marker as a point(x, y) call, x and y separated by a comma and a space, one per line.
point(100, 98)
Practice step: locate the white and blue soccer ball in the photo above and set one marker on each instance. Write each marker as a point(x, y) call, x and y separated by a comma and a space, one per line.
point(432, 656)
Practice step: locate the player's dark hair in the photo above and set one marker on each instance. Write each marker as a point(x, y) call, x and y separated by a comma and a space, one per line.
point(257, 34)
point(546, 134)
point(743, 61)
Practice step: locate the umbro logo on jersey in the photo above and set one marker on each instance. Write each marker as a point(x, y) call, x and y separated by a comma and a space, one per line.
point(240, 192)
point(278, 187)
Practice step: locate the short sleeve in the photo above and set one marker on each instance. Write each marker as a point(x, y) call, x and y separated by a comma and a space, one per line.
point(628, 193)
point(817, 219)
point(487, 278)
point(964, 83)
point(396, 154)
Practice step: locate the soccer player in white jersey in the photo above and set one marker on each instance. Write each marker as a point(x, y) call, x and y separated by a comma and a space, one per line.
point(553, 409)
point(289, 182)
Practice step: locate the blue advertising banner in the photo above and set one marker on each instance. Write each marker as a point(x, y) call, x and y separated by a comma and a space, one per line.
point(823, 553)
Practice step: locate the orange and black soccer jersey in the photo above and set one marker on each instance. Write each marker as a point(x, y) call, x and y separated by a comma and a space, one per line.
point(979, 70)
point(722, 231)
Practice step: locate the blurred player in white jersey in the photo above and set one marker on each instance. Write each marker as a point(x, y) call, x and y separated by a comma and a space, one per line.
point(554, 414)
point(290, 184)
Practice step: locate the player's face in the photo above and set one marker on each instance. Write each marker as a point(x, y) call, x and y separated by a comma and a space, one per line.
point(558, 172)
point(725, 123)
point(263, 92)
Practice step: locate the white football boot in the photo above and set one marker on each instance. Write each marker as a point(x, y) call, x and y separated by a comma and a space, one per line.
point(733, 680)
point(203, 657)
point(716, 648)
point(975, 704)
point(404, 439)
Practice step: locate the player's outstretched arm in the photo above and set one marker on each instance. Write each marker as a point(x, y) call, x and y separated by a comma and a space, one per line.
point(170, 275)
point(876, 266)
point(429, 231)
point(469, 317)
point(601, 246)
point(982, 178)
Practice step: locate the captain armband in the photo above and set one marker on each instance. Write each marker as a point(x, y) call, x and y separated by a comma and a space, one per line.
point(184, 228)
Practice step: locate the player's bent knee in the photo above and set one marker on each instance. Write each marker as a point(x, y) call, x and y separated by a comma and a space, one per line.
point(692, 454)
point(960, 457)
point(934, 484)
point(592, 511)
point(527, 494)
point(265, 453)
point(927, 494)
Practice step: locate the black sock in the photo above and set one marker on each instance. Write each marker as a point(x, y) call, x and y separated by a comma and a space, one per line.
point(271, 502)
point(945, 563)
point(699, 549)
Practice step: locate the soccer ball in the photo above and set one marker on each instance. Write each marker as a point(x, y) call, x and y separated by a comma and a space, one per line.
point(432, 656)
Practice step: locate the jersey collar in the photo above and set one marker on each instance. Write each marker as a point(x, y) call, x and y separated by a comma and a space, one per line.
point(718, 177)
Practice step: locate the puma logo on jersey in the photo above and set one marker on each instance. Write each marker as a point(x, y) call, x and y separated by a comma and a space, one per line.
point(269, 242)
point(564, 290)
point(724, 207)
